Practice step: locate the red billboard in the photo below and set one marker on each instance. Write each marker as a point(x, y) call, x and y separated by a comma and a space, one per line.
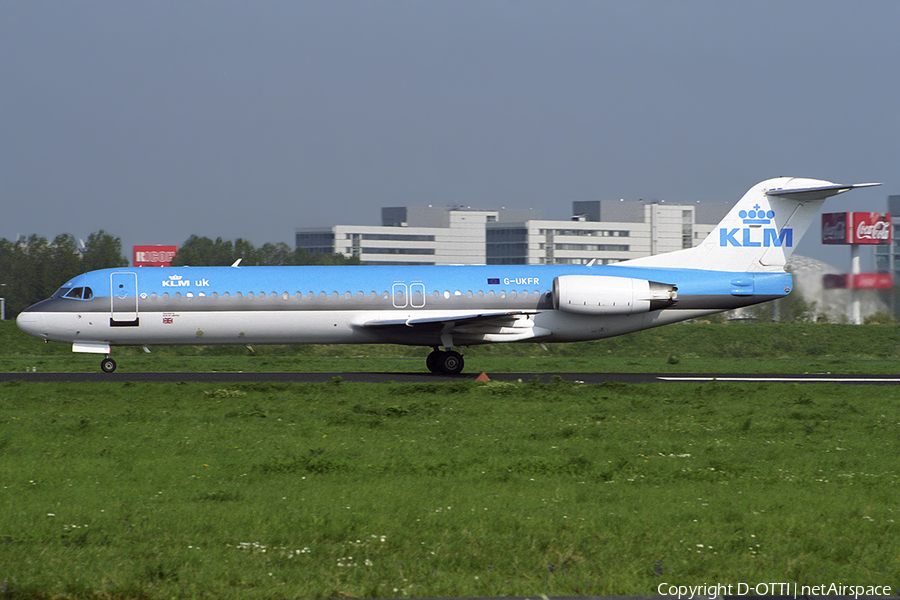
point(856, 228)
point(871, 228)
point(858, 281)
point(154, 256)
point(871, 281)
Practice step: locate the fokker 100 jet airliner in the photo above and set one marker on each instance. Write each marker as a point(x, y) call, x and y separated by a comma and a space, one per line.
point(445, 307)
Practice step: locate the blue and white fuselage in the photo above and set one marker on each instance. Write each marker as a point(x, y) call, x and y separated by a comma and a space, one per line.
point(741, 263)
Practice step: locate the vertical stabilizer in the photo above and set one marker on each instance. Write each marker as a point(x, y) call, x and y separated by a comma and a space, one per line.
point(760, 232)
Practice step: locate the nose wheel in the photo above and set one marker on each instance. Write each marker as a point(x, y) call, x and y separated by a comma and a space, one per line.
point(107, 365)
point(448, 362)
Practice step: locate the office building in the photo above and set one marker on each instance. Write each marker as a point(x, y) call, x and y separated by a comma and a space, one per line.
point(604, 231)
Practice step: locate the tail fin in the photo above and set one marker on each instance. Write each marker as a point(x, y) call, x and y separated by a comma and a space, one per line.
point(761, 231)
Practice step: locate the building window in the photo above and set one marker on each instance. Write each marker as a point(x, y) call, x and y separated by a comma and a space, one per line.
point(422, 251)
point(594, 247)
point(396, 237)
point(316, 242)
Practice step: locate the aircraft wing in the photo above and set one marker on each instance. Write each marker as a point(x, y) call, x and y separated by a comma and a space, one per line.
point(455, 328)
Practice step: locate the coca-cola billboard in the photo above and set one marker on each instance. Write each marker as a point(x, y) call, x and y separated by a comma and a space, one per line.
point(154, 256)
point(871, 228)
point(856, 228)
point(834, 228)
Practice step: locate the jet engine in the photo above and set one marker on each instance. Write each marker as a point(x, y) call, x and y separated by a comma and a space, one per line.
point(605, 295)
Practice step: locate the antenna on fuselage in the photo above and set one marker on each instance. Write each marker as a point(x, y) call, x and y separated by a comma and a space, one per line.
point(237, 262)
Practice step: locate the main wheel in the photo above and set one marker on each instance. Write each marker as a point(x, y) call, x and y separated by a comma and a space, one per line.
point(433, 361)
point(451, 362)
point(108, 365)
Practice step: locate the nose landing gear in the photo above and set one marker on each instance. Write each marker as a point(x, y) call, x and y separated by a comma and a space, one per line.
point(107, 365)
point(448, 362)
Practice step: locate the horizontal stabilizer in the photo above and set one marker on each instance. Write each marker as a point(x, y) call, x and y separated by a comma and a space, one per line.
point(815, 193)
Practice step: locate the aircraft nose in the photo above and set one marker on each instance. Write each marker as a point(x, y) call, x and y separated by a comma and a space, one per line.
point(31, 323)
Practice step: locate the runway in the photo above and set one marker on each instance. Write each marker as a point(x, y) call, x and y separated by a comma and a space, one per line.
point(401, 377)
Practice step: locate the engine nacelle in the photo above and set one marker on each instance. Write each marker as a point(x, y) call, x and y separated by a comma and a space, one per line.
point(605, 295)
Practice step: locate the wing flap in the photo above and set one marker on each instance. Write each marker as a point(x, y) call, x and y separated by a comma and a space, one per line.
point(455, 328)
point(441, 319)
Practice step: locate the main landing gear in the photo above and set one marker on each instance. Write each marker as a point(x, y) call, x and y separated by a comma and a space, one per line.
point(108, 365)
point(448, 362)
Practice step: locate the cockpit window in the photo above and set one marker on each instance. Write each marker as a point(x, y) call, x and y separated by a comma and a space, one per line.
point(79, 293)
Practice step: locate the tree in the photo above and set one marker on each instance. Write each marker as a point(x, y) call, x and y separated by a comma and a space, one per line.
point(245, 251)
point(32, 269)
point(204, 252)
point(27, 271)
point(102, 251)
point(275, 254)
point(304, 257)
point(65, 262)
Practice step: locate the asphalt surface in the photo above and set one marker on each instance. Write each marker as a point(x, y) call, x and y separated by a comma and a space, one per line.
point(239, 376)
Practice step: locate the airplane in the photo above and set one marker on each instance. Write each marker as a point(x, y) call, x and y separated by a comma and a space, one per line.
point(740, 263)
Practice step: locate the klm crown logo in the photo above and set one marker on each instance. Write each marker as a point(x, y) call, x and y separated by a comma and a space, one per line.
point(757, 216)
point(754, 234)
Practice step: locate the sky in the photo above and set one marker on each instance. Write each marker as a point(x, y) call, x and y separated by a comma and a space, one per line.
point(158, 120)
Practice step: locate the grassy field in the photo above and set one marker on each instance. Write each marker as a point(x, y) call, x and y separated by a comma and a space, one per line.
point(680, 348)
point(288, 490)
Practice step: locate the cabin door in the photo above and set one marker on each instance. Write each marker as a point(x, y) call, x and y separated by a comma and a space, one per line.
point(124, 299)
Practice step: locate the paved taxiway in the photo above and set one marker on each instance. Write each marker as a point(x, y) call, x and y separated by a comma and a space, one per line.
point(427, 377)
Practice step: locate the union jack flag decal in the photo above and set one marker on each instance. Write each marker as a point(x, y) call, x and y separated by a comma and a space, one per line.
point(168, 320)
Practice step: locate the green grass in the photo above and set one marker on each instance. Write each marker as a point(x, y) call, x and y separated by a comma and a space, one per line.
point(291, 490)
point(680, 348)
point(279, 490)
